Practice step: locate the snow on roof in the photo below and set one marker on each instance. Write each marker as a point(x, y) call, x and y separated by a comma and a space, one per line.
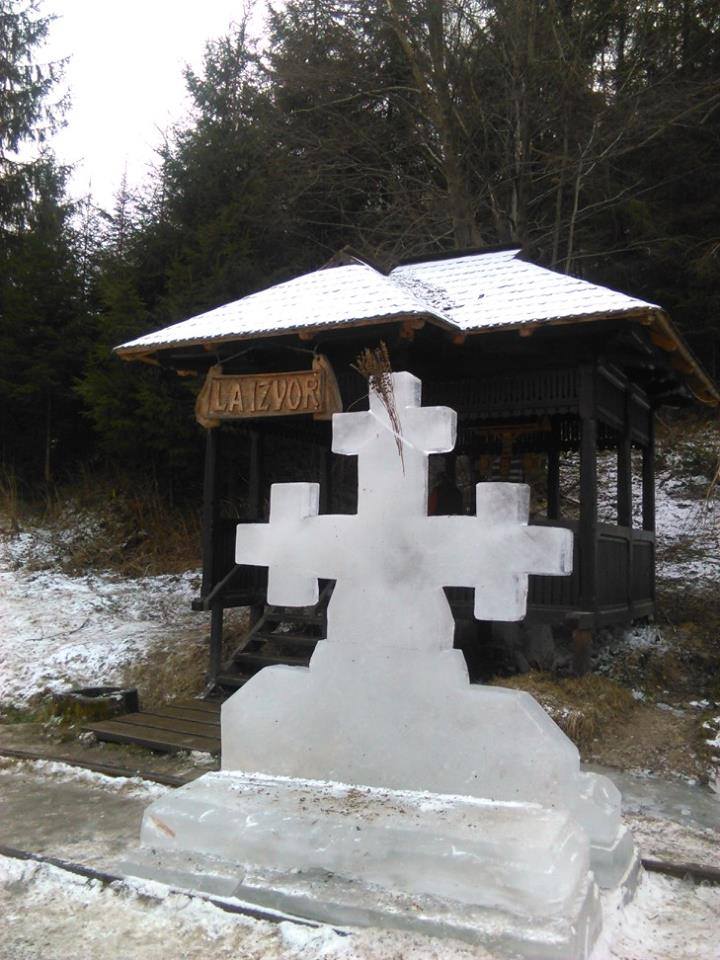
point(499, 289)
point(332, 297)
point(466, 293)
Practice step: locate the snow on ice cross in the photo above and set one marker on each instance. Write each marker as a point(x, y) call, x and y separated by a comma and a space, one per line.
point(391, 560)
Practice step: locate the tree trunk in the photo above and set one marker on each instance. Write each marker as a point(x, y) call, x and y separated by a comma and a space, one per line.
point(48, 442)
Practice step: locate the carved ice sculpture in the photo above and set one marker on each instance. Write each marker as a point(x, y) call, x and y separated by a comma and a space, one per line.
point(391, 560)
point(386, 701)
point(386, 704)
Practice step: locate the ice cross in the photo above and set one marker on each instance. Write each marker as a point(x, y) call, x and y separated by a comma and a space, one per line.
point(391, 560)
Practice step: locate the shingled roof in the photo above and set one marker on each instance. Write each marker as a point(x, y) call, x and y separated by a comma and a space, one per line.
point(466, 294)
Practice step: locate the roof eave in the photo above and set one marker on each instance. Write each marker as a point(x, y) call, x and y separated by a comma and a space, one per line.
point(699, 382)
point(146, 352)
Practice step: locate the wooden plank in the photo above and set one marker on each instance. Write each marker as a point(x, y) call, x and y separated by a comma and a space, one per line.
point(232, 680)
point(209, 706)
point(191, 727)
point(259, 660)
point(207, 716)
point(185, 713)
point(165, 740)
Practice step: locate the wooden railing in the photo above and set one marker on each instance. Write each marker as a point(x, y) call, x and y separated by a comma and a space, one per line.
point(625, 578)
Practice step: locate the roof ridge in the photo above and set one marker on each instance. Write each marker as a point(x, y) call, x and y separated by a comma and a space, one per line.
point(457, 254)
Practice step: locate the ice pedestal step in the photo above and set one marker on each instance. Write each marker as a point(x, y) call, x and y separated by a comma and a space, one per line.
point(379, 716)
point(514, 876)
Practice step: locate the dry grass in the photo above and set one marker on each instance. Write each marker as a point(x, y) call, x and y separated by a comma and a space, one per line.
point(98, 524)
point(9, 503)
point(581, 706)
point(180, 671)
point(170, 674)
point(375, 366)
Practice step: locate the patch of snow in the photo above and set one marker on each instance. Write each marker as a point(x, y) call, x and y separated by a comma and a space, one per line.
point(59, 632)
point(312, 941)
point(667, 920)
point(47, 910)
point(200, 758)
point(136, 787)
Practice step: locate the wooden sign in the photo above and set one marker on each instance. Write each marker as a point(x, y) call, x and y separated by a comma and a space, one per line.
point(250, 395)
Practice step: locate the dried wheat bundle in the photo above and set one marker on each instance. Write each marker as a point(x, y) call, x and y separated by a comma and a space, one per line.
point(374, 365)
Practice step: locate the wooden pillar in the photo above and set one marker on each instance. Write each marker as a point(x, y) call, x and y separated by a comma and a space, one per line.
point(624, 469)
point(209, 510)
point(216, 636)
point(553, 473)
point(588, 491)
point(255, 486)
point(255, 500)
point(581, 651)
point(648, 476)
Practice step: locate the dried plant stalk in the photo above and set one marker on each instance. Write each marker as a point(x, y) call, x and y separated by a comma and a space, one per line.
point(374, 365)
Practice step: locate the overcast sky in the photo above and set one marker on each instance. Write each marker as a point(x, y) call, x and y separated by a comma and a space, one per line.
point(125, 79)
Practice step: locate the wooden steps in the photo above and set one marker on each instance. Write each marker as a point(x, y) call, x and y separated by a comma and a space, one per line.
point(181, 725)
point(282, 635)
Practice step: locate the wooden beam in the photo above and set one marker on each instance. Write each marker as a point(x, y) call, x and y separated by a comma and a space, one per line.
point(582, 641)
point(648, 479)
point(624, 468)
point(553, 473)
point(216, 638)
point(209, 510)
point(588, 489)
point(255, 478)
point(409, 327)
point(662, 340)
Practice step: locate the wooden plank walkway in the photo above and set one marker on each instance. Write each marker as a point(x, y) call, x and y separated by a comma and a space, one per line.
point(180, 725)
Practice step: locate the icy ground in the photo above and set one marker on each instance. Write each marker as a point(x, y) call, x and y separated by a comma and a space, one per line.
point(58, 916)
point(92, 819)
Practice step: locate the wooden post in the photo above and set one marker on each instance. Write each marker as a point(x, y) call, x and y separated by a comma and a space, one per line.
point(624, 469)
point(209, 511)
point(553, 473)
point(255, 501)
point(254, 498)
point(588, 491)
point(216, 637)
point(648, 476)
point(582, 651)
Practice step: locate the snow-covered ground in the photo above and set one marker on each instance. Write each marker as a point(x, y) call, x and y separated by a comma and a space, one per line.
point(55, 915)
point(59, 631)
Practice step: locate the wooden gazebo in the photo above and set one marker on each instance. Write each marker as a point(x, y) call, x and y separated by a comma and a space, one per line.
point(547, 373)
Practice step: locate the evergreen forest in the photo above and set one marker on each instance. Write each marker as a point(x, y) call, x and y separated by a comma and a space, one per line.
point(587, 131)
